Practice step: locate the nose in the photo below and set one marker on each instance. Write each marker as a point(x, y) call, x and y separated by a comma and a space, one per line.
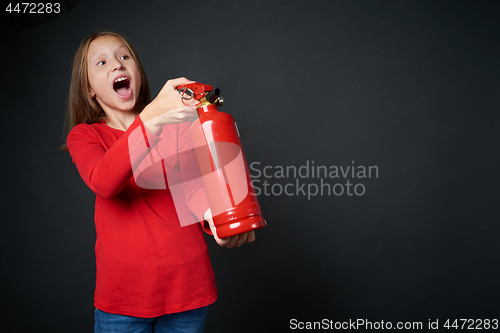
point(118, 65)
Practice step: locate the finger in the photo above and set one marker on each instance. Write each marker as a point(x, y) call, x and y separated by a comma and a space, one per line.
point(222, 242)
point(250, 236)
point(241, 239)
point(232, 241)
point(173, 83)
point(191, 102)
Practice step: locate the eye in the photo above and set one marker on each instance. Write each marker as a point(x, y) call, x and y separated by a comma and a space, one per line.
point(100, 63)
point(125, 57)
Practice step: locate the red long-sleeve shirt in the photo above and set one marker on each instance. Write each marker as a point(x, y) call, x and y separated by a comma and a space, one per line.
point(147, 263)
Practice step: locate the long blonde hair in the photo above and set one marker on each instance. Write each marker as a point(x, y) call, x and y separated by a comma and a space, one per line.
point(82, 108)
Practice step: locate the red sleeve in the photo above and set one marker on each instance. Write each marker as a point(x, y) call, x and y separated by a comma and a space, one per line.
point(106, 171)
point(196, 197)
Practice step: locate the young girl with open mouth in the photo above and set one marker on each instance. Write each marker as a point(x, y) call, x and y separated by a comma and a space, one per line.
point(153, 275)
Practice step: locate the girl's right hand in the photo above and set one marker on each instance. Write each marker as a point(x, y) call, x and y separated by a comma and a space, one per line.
point(168, 107)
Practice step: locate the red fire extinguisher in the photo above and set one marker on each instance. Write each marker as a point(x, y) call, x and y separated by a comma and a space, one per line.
point(222, 163)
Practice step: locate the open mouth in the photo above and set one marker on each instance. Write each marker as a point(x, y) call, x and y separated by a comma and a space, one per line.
point(121, 86)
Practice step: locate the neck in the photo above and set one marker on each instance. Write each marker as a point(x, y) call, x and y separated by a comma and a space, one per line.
point(121, 120)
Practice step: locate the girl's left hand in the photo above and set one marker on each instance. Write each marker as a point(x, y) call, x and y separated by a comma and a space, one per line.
point(229, 242)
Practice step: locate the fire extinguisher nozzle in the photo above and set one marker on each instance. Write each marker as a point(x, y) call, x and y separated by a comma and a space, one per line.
point(213, 95)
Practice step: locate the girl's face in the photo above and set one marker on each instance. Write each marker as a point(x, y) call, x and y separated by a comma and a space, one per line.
point(113, 74)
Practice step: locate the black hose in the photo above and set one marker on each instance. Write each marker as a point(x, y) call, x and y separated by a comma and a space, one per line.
point(213, 95)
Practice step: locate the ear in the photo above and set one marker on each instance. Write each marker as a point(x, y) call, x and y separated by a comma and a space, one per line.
point(91, 92)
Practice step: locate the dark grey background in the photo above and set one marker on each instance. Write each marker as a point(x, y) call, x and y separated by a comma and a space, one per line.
point(409, 86)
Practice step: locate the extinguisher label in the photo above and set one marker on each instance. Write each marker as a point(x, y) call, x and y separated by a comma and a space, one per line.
point(237, 129)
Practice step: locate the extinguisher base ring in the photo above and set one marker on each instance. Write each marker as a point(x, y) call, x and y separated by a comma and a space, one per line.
point(235, 228)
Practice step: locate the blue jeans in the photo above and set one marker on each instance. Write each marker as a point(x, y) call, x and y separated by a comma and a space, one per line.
point(191, 321)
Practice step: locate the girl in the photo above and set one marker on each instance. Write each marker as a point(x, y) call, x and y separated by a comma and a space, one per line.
point(152, 274)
